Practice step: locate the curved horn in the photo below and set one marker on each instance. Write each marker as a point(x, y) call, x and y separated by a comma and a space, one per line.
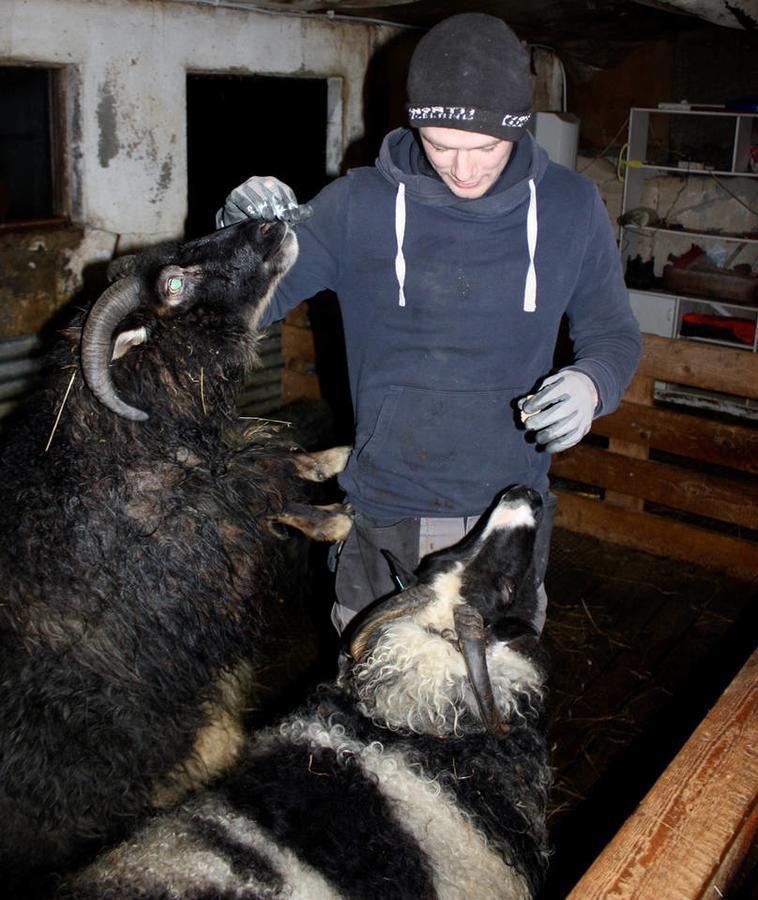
point(395, 606)
point(470, 627)
point(113, 306)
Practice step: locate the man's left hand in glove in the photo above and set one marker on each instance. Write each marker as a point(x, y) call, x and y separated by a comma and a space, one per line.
point(562, 410)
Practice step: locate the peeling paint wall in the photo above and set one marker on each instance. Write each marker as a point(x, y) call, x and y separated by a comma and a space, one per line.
point(126, 63)
point(43, 270)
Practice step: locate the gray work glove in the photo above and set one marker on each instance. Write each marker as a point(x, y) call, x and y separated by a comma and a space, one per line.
point(262, 197)
point(562, 410)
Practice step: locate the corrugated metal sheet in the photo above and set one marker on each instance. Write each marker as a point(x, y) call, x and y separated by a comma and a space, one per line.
point(22, 364)
point(262, 393)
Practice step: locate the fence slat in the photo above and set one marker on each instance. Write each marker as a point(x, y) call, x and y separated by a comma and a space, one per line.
point(692, 831)
point(658, 535)
point(734, 446)
point(713, 496)
point(704, 366)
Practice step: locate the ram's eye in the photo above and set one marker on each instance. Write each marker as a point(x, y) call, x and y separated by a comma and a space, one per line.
point(175, 285)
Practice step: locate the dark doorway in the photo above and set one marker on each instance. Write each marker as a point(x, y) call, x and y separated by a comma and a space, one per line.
point(243, 125)
point(239, 126)
point(29, 146)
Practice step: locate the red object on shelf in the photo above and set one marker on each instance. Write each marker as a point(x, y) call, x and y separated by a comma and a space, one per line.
point(686, 259)
point(718, 327)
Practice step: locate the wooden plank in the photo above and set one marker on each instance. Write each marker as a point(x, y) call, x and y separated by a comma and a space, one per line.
point(633, 451)
point(733, 446)
point(639, 391)
point(299, 385)
point(700, 365)
point(715, 496)
point(692, 827)
point(299, 316)
point(298, 343)
point(655, 534)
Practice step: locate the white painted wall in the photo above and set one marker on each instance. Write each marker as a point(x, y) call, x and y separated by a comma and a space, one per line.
point(126, 64)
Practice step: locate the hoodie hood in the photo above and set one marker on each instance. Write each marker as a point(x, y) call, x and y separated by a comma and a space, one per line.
point(403, 163)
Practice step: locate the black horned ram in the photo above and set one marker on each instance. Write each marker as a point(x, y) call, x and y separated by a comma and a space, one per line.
point(422, 772)
point(137, 561)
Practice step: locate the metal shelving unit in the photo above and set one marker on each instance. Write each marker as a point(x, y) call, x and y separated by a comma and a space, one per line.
point(658, 311)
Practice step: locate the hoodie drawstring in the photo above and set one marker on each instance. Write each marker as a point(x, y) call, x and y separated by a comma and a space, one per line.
point(399, 237)
point(530, 286)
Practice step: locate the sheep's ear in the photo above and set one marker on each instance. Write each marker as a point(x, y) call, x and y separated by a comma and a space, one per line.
point(72, 335)
point(128, 339)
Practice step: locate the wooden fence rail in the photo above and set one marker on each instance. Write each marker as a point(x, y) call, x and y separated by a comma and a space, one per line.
point(692, 833)
point(679, 484)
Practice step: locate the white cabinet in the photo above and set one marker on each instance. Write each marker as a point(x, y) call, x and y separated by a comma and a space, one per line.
point(656, 313)
point(650, 156)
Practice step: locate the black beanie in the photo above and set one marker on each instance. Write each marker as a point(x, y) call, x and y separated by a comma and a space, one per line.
point(471, 72)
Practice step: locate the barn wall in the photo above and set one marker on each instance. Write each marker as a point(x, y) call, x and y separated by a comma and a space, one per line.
point(705, 64)
point(125, 67)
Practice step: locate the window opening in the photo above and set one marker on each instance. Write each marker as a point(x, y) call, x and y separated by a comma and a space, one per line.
point(30, 146)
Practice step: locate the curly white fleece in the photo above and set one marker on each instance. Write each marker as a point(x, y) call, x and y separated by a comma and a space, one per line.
point(416, 680)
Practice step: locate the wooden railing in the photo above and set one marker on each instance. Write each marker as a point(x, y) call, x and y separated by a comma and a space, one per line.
point(691, 835)
point(699, 502)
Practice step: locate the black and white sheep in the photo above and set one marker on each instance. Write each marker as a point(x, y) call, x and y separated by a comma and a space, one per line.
point(136, 559)
point(421, 773)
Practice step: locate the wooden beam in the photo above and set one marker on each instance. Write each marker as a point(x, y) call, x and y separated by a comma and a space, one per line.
point(691, 436)
point(658, 535)
point(298, 343)
point(299, 385)
point(640, 391)
point(700, 365)
point(299, 316)
point(714, 496)
point(692, 831)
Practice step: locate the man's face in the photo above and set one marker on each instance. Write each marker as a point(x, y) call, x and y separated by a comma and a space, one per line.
point(468, 163)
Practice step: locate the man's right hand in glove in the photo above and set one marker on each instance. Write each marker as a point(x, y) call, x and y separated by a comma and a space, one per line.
point(262, 197)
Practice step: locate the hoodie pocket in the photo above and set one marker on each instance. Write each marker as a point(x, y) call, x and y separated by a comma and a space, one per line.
point(443, 452)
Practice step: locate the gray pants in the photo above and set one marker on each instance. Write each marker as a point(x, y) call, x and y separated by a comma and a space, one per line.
point(364, 575)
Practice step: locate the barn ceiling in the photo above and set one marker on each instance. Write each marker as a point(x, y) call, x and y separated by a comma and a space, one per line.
point(588, 34)
point(540, 18)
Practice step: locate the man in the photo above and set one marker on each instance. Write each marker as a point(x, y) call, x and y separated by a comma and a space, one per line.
point(454, 259)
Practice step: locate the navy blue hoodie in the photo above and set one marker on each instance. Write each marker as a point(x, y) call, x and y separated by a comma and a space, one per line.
point(451, 309)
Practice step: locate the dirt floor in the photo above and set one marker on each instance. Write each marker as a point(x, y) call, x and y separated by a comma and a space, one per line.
point(640, 648)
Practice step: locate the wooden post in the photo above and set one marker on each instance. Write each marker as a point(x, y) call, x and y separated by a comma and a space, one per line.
point(640, 391)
